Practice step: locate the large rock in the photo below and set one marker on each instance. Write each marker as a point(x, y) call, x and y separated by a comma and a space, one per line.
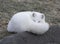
point(50, 37)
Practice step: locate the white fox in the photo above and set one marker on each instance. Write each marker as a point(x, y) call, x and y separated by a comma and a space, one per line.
point(30, 21)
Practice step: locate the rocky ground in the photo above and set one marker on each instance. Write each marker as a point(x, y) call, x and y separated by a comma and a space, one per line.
point(51, 8)
point(50, 37)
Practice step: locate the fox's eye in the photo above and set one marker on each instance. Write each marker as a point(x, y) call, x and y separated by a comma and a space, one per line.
point(38, 21)
point(34, 20)
point(42, 16)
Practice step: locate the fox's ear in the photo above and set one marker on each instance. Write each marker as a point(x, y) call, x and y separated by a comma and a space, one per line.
point(42, 16)
point(33, 15)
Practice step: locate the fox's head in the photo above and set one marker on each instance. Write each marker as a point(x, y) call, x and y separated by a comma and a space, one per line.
point(38, 17)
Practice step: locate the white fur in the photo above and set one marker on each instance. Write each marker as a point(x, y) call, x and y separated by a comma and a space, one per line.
point(26, 21)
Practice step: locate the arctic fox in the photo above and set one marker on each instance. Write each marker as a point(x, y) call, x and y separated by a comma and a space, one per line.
point(30, 21)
